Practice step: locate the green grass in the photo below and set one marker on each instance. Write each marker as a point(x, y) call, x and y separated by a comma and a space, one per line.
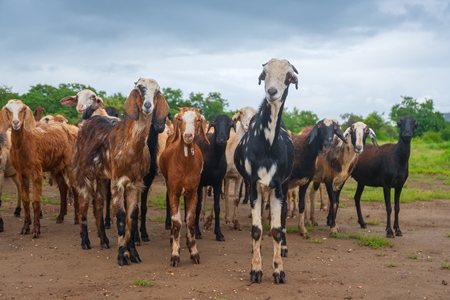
point(430, 158)
point(371, 241)
point(445, 265)
point(412, 256)
point(157, 220)
point(49, 200)
point(53, 217)
point(392, 265)
point(143, 282)
point(6, 197)
point(447, 235)
point(372, 222)
point(381, 254)
point(157, 200)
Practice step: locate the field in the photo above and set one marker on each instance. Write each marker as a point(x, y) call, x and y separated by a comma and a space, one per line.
point(352, 265)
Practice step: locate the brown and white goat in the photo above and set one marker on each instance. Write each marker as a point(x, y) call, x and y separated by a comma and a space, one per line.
point(86, 100)
point(334, 166)
point(35, 150)
point(181, 164)
point(107, 149)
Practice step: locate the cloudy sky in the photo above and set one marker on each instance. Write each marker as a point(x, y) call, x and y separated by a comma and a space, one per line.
point(352, 56)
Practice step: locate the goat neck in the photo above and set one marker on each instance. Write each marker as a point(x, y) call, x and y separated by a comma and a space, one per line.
point(269, 118)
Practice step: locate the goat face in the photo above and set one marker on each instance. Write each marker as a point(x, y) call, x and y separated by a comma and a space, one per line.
point(188, 122)
point(407, 126)
point(83, 100)
point(222, 125)
point(148, 89)
point(326, 129)
point(358, 133)
point(277, 74)
point(244, 116)
point(19, 114)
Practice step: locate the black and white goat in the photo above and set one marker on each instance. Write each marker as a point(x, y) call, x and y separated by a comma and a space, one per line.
point(264, 159)
point(387, 167)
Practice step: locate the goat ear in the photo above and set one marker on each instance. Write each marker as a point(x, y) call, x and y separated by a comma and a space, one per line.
point(261, 77)
point(131, 108)
point(347, 133)
point(313, 134)
point(202, 131)
point(373, 137)
point(236, 116)
point(28, 120)
point(162, 108)
point(233, 124)
point(4, 122)
point(69, 101)
point(175, 128)
point(339, 134)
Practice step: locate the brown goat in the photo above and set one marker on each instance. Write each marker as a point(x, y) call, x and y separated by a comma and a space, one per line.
point(35, 150)
point(38, 113)
point(117, 150)
point(181, 164)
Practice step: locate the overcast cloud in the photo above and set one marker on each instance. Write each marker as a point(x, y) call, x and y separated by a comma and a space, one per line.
point(352, 56)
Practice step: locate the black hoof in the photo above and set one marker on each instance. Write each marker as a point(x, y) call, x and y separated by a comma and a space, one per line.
point(105, 246)
point(255, 276)
point(1, 225)
point(107, 226)
point(195, 258)
point(279, 277)
point(41, 216)
point(220, 238)
point(389, 234)
point(123, 260)
point(175, 260)
point(284, 252)
point(17, 212)
point(398, 232)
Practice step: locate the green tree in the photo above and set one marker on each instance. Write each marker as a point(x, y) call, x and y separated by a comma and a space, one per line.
point(349, 119)
point(7, 94)
point(428, 119)
point(296, 120)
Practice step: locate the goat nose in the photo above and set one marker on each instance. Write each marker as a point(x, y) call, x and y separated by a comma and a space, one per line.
point(188, 136)
point(15, 122)
point(147, 105)
point(272, 91)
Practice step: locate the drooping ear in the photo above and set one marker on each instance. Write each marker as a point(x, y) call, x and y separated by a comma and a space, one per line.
point(69, 101)
point(236, 116)
point(176, 130)
point(313, 134)
point(202, 131)
point(338, 132)
point(131, 109)
point(373, 137)
point(162, 108)
point(4, 121)
point(399, 122)
point(294, 78)
point(99, 102)
point(28, 120)
point(233, 125)
point(416, 124)
point(347, 133)
point(262, 76)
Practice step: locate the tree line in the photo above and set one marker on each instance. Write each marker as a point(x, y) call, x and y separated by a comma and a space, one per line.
point(432, 124)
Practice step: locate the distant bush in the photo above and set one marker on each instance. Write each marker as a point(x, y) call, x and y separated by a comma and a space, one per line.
point(445, 133)
point(432, 137)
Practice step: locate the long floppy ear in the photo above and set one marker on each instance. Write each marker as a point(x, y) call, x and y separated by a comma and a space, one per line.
point(313, 134)
point(131, 108)
point(373, 137)
point(28, 120)
point(162, 108)
point(176, 130)
point(236, 116)
point(4, 122)
point(201, 131)
point(69, 101)
point(339, 134)
point(233, 125)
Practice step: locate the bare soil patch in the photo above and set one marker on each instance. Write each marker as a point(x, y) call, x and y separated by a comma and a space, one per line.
point(55, 267)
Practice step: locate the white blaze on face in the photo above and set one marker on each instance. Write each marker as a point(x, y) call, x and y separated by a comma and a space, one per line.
point(276, 71)
point(359, 128)
point(189, 121)
point(151, 87)
point(85, 100)
point(14, 107)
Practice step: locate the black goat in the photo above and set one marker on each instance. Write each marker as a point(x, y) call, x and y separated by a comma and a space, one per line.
point(214, 168)
point(264, 159)
point(307, 145)
point(385, 167)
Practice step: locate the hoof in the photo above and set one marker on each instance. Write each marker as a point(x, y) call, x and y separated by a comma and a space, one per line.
point(389, 233)
point(107, 226)
point(41, 216)
point(104, 246)
point(59, 220)
point(198, 235)
point(220, 238)
point(279, 277)
point(237, 225)
point(195, 258)
point(86, 246)
point(175, 260)
point(35, 235)
point(363, 225)
point(145, 238)
point(284, 252)
point(17, 212)
point(168, 226)
point(398, 232)
point(123, 260)
point(255, 276)
point(135, 257)
point(1, 225)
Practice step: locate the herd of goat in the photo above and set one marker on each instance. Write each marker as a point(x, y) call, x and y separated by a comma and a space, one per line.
point(111, 162)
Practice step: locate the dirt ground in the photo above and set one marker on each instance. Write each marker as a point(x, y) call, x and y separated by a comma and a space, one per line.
point(55, 267)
